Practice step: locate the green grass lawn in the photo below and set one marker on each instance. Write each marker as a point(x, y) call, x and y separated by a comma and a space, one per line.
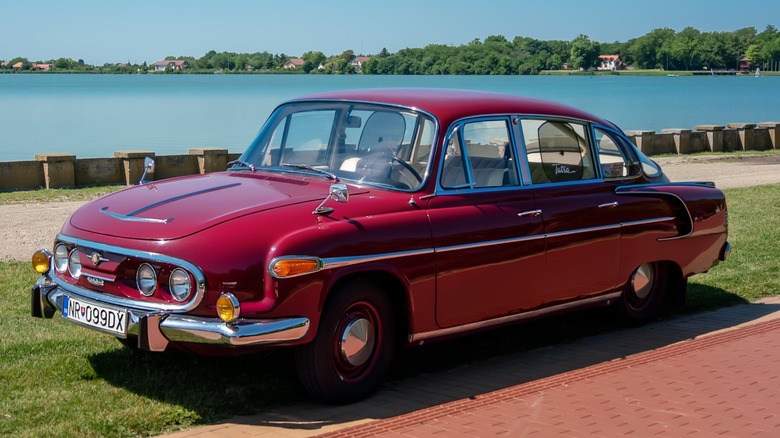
point(58, 379)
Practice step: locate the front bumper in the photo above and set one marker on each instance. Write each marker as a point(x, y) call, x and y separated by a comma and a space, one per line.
point(155, 329)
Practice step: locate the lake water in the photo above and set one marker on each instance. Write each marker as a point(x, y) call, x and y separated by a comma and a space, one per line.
point(95, 115)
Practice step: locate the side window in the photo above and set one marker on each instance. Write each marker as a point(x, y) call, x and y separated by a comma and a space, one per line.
point(557, 151)
point(614, 158)
point(479, 155)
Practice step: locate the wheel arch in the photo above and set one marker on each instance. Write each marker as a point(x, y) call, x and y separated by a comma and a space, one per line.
point(394, 287)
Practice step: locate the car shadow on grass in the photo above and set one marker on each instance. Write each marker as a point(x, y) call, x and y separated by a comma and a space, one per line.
point(259, 389)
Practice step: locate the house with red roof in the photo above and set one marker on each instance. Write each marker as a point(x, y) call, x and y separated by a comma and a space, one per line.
point(175, 64)
point(610, 62)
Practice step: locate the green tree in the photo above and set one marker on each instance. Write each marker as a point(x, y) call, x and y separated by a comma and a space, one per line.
point(584, 52)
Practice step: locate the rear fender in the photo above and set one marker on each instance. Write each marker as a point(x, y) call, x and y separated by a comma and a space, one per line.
point(699, 206)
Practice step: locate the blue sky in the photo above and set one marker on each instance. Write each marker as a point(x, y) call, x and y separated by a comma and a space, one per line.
point(110, 31)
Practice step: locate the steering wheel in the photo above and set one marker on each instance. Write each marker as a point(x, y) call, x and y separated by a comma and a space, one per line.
point(408, 167)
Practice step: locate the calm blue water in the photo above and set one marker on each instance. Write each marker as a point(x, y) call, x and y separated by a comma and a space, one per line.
point(95, 115)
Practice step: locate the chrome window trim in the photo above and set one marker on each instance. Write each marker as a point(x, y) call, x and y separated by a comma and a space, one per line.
point(200, 279)
point(622, 136)
point(456, 129)
point(432, 334)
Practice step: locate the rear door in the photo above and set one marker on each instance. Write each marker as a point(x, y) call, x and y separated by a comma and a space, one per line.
point(581, 214)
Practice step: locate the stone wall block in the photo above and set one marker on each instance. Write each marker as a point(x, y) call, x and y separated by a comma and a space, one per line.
point(58, 170)
point(643, 140)
point(774, 132)
point(133, 164)
point(211, 159)
point(682, 139)
point(745, 133)
point(714, 135)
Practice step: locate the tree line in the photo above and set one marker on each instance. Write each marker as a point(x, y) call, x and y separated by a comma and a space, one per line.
point(666, 49)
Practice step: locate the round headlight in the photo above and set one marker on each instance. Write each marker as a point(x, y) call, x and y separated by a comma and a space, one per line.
point(179, 284)
point(61, 258)
point(146, 279)
point(228, 307)
point(74, 264)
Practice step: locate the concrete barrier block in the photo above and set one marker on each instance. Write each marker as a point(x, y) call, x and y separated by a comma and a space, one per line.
point(133, 165)
point(211, 159)
point(773, 129)
point(58, 170)
point(681, 138)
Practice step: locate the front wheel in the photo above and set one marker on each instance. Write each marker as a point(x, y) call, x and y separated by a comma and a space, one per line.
point(643, 295)
point(349, 357)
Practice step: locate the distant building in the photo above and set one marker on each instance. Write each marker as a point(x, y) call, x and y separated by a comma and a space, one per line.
point(19, 64)
point(44, 67)
point(293, 63)
point(175, 64)
point(745, 64)
point(610, 62)
point(358, 62)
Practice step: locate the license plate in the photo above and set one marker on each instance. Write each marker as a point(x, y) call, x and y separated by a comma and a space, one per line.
point(104, 318)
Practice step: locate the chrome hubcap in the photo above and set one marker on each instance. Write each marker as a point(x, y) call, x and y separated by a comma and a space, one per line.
point(642, 281)
point(357, 342)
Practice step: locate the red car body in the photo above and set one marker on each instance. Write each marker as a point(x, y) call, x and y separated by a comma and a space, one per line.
point(477, 210)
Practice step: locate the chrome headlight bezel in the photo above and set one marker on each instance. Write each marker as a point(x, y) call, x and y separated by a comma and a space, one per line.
point(146, 279)
point(180, 285)
point(60, 258)
point(74, 263)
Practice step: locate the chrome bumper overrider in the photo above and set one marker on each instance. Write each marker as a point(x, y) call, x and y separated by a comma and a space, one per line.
point(155, 329)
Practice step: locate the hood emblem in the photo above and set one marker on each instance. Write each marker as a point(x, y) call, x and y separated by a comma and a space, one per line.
point(97, 258)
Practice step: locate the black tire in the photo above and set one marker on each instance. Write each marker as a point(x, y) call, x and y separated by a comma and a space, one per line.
point(643, 295)
point(354, 346)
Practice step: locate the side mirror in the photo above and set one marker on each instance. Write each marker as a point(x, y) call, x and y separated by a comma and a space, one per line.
point(148, 169)
point(338, 193)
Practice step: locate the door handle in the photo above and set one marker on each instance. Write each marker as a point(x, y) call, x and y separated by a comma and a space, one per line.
point(532, 213)
point(609, 205)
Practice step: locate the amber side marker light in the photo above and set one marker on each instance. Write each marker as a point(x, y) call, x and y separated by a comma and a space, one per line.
point(41, 261)
point(228, 307)
point(292, 267)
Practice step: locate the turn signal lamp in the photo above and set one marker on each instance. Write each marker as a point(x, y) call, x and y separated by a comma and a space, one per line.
point(228, 307)
point(291, 267)
point(41, 261)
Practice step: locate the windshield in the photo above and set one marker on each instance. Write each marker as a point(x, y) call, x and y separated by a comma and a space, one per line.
point(371, 144)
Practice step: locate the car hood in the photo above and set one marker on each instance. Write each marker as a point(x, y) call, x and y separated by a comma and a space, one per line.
point(178, 207)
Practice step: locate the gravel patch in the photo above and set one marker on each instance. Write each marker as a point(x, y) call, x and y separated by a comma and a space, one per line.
point(25, 228)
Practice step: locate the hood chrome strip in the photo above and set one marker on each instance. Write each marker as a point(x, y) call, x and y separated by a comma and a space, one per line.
point(130, 217)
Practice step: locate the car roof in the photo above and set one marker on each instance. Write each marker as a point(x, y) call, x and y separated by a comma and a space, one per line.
point(449, 105)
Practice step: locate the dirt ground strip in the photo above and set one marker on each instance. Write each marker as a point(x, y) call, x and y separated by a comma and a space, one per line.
point(24, 228)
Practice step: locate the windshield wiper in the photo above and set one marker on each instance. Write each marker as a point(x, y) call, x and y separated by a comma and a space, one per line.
point(242, 163)
point(312, 169)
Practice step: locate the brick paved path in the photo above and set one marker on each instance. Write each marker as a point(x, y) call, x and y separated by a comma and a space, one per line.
point(711, 374)
point(721, 385)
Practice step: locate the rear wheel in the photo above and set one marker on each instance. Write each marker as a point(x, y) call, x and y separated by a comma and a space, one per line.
point(353, 348)
point(643, 294)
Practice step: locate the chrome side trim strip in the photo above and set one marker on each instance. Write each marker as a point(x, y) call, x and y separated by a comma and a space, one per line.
point(197, 297)
point(584, 230)
point(489, 243)
point(418, 337)
point(340, 262)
